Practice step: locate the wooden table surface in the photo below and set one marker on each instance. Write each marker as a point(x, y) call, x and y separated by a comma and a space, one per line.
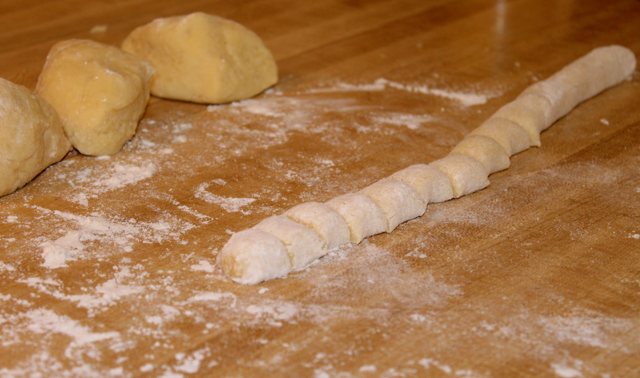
point(537, 275)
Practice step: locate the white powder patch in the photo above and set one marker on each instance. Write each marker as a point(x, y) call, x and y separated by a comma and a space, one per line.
point(98, 29)
point(190, 364)
point(413, 122)
point(6, 267)
point(204, 266)
point(230, 205)
point(368, 368)
point(124, 174)
point(216, 297)
point(12, 219)
point(56, 253)
point(464, 98)
point(428, 362)
point(604, 121)
point(280, 311)
point(565, 371)
point(634, 236)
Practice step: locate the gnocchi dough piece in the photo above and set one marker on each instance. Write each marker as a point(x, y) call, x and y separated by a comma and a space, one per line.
point(584, 78)
point(203, 58)
point(31, 136)
point(99, 91)
point(363, 216)
point(325, 221)
point(398, 201)
point(303, 245)
point(466, 174)
point(532, 112)
point(485, 150)
point(431, 183)
point(252, 256)
point(511, 136)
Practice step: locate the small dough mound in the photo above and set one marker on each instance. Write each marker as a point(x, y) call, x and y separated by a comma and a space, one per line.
point(485, 150)
point(511, 136)
point(252, 256)
point(431, 183)
point(466, 174)
point(323, 220)
point(203, 58)
point(99, 91)
point(302, 243)
point(398, 201)
point(531, 111)
point(31, 136)
point(363, 216)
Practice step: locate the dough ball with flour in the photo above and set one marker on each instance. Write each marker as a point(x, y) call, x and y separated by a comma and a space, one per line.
point(99, 91)
point(252, 256)
point(203, 58)
point(363, 216)
point(485, 150)
point(302, 243)
point(465, 173)
point(511, 136)
point(31, 136)
point(532, 112)
point(323, 220)
point(399, 202)
point(431, 183)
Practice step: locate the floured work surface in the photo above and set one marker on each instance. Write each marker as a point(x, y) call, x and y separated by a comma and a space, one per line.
point(537, 275)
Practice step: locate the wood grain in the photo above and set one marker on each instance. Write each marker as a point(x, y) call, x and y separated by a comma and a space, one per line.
point(537, 275)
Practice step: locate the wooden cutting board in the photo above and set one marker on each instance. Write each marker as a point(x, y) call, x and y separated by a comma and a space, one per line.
point(536, 275)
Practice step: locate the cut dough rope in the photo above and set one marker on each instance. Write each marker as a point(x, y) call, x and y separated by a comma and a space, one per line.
point(288, 242)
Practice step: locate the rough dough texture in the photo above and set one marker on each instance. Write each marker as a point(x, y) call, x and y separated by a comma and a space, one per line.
point(531, 111)
point(511, 136)
point(431, 183)
point(203, 58)
point(302, 243)
point(325, 221)
point(466, 174)
point(584, 78)
point(363, 216)
point(31, 136)
point(399, 202)
point(485, 150)
point(252, 256)
point(99, 91)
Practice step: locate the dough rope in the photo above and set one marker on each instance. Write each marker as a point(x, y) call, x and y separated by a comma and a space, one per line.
point(385, 204)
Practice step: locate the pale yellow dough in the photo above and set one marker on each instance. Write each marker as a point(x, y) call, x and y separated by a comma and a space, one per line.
point(399, 202)
point(363, 216)
point(203, 58)
point(431, 183)
point(99, 91)
point(31, 136)
point(465, 173)
point(252, 256)
point(511, 136)
point(302, 243)
point(485, 150)
point(323, 220)
point(531, 111)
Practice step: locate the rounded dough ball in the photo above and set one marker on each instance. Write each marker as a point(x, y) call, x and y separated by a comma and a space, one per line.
point(252, 256)
point(466, 174)
point(511, 136)
point(485, 150)
point(203, 58)
point(399, 202)
point(31, 136)
point(363, 216)
point(302, 243)
point(531, 111)
point(431, 183)
point(99, 91)
point(323, 220)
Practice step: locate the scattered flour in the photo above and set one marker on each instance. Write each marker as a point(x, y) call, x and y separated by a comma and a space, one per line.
point(204, 266)
point(230, 205)
point(124, 174)
point(565, 371)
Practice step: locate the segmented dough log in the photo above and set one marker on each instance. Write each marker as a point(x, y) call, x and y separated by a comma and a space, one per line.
point(31, 136)
point(431, 183)
point(532, 112)
point(363, 216)
point(584, 78)
point(325, 221)
point(252, 256)
point(511, 136)
point(399, 202)
point(465, 173)
point(302, 243)
point(485, 150)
